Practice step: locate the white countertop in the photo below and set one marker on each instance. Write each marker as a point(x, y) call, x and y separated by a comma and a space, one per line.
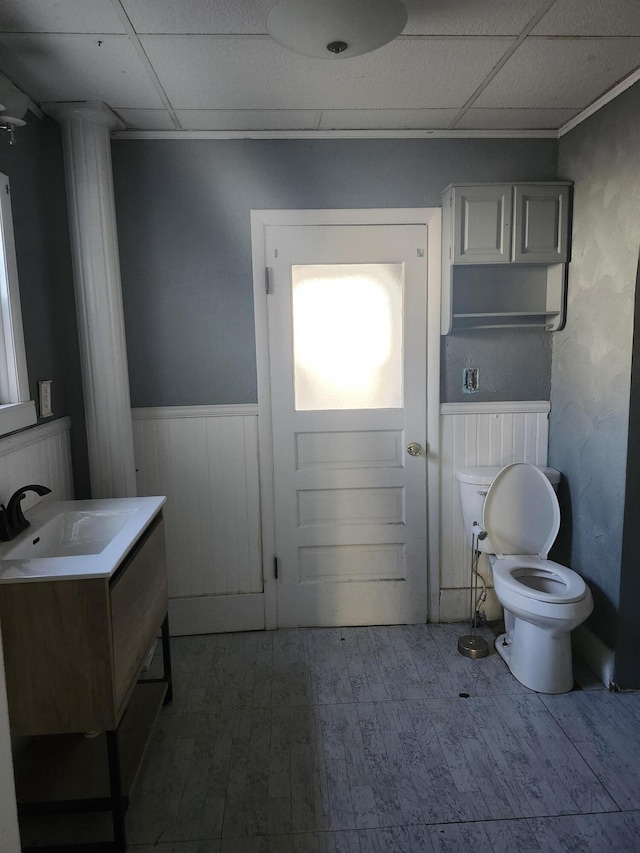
point(98, 565)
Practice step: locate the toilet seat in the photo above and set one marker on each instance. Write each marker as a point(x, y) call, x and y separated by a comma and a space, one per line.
point(521, 512)
point(522, 517)
point(528, 576)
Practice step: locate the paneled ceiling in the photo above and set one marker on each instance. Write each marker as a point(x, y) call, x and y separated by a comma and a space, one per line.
point(208, 65)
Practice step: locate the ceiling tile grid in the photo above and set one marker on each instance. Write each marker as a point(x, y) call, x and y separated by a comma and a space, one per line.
point(59, 16)
point(249, 119)
point(393, 119)
point(198, 65)
point(228, 73)
point(63, 67)
point(560, 72)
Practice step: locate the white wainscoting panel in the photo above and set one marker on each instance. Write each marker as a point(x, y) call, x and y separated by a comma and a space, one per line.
point(205, 460)
point(479, 434)
point(41, 455)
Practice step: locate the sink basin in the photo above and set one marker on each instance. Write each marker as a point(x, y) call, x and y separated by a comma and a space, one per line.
point(69, 534)
point(77, 539)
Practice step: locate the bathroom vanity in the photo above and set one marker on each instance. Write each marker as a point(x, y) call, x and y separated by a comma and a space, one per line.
point(83, 594)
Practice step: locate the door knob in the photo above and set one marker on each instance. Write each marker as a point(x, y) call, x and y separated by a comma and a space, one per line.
point(414, 449)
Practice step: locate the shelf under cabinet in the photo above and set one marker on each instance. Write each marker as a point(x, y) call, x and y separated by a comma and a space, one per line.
point(490, 314)
point(504, 320)
point(73, 767)
point(516, 296)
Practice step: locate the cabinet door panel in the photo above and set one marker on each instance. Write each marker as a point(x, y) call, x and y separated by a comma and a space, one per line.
point(541, 224)
point(57, 641)
point(482, 228)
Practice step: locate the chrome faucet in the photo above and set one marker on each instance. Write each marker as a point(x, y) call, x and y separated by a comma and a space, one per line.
point(12, 520)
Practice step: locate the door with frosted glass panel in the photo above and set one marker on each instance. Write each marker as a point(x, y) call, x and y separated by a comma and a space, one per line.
point(347, 346)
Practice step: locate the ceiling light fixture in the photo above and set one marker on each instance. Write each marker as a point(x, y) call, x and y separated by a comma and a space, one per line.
point(335, 29)
point(14, 105)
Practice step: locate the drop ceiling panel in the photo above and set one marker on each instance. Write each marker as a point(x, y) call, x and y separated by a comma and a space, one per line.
point(232, 80)
point(78, 68)
point(512, 119)
point(229, 73)
point(439, 17)
point(198, 16)
point(146, 119)
point(470, 17)
point(249, 119)
point(388, 119)
point(561, 72)
point(61, 16)
point(591, 18)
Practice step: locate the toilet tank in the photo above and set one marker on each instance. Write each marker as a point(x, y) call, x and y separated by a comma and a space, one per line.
point(474, 484)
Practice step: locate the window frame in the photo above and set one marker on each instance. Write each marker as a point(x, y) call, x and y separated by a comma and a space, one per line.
point(17, 410)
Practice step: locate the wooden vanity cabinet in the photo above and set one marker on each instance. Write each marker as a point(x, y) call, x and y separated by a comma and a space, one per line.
point(73, 648)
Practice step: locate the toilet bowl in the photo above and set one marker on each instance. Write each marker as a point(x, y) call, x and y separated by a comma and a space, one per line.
point(543, 601)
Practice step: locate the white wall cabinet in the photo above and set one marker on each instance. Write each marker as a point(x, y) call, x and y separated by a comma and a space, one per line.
point(504, 254)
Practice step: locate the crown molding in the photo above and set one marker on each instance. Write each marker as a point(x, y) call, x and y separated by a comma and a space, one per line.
point(335, 134)
point(602, 101)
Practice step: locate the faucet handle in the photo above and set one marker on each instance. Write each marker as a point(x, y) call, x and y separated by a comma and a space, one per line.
point(5, 534)
point(14, 517)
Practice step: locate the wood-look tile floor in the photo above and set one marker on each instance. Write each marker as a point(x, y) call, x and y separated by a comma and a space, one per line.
point(380, 739)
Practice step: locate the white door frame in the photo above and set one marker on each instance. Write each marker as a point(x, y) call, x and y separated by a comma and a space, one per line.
point(430, 217)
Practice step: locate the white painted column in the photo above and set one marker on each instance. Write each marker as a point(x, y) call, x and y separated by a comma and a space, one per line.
point(86, 130)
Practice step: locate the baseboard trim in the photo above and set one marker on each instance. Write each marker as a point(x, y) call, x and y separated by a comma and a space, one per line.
point(596, 654)
point(216, 614)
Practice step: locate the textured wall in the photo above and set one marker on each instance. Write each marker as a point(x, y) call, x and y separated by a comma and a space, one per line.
point(627, 663)
point(591, 361)
point(185, 245)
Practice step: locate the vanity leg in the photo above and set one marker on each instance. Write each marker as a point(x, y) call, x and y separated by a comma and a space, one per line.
point(166, 660)
point(117, 800)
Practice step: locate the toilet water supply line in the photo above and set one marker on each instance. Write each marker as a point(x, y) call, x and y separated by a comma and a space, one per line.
point(477, 599)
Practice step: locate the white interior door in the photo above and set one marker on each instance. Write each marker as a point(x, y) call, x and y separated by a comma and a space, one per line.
point(347, 349)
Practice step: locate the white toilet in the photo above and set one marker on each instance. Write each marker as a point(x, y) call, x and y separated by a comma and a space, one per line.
point(517, 508)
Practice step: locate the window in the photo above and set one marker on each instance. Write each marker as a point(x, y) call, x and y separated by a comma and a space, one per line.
point(347, 332)
point(16, 410)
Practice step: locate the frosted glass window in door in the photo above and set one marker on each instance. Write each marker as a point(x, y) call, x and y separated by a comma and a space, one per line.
point(347, 336)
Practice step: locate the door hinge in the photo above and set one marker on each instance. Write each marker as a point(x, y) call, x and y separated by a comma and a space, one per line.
point(275, 568)
point(267, 280)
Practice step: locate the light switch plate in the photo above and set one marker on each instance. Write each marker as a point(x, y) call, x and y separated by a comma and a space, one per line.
point(44, 393)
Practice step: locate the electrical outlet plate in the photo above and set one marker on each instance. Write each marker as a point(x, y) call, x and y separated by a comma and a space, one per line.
point(44, 393)
point(470, 380)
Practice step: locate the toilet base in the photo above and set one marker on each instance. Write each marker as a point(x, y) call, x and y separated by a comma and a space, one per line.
point(539, 658)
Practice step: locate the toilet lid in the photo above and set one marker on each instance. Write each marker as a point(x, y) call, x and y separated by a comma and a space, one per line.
point(521, 512)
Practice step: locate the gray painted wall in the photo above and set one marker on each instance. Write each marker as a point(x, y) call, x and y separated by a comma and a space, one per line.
point(185, 249)
point(514, 364)
point(591, 364)
point(36, 173)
